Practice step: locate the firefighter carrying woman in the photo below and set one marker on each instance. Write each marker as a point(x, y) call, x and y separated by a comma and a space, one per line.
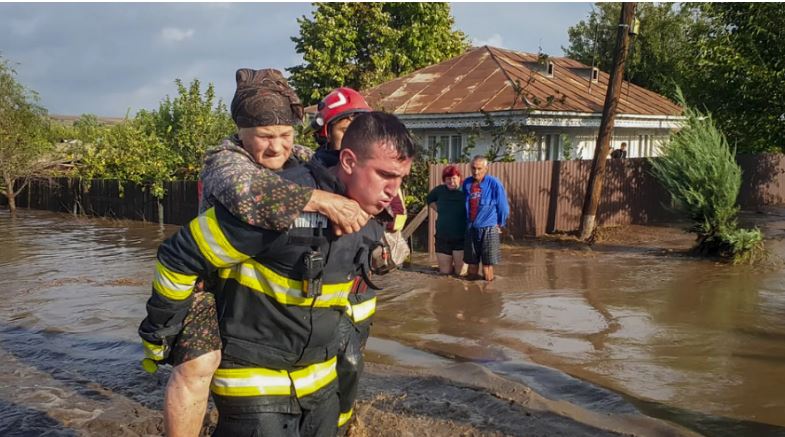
point(266, 244)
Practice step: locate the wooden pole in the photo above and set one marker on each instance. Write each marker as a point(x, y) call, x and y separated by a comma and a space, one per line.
point(597, 176)
point(415, 222)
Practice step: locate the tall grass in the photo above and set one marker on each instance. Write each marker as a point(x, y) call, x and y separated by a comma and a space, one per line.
point(697, 167)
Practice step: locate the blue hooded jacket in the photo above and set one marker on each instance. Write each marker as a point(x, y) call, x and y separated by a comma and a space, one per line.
point(493, 209)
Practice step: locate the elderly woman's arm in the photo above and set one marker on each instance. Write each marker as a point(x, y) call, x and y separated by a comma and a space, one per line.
point(261, 198)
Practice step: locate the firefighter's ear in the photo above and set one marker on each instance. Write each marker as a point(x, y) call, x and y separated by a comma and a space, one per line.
point(347, 160)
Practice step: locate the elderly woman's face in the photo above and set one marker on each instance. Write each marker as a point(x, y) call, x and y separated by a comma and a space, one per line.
point(452, 182)
point(270, 146)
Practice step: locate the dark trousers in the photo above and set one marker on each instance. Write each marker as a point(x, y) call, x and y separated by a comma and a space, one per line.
point(350, 363)
point(322, 421)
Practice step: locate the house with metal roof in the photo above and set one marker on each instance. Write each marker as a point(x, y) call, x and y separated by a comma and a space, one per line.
point(541, 108)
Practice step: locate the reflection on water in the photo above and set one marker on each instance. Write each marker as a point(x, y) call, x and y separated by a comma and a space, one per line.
point(689, 340)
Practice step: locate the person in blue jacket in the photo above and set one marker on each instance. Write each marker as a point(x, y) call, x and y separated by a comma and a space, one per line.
point(486, 213)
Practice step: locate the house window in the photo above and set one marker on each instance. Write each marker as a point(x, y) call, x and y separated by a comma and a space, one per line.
point(645, 146)
point(549, 147)
point(446, 147)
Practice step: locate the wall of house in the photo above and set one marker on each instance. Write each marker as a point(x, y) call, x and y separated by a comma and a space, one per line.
point(552, 143)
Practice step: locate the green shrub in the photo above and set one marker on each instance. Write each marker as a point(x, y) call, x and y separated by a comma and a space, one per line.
point(698, 169)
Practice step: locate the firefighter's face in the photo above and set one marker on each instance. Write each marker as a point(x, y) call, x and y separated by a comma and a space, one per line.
point(374, 180)
point(270, 146)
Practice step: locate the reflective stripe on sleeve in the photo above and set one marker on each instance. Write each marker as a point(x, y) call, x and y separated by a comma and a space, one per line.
point(363, 311)
point(258, 381)
point(153, 351)
point(344, 417)
point(172, 285)
point(284, 290)
point(212, 242)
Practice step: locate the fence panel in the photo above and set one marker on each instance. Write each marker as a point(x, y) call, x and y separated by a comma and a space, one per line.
point(545, 196)
point(112, 198)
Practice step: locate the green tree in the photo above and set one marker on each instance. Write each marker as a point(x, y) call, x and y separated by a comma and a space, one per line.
point(363, 44)
point(188, 125)
point(739, 73)
point(727, 57)
point(661, 52)
point(699, 170)
point(25, 151)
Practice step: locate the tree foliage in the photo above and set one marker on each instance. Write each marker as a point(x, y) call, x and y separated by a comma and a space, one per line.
point(155, 146)
point(699, 170)
point(125, 151)
point(24, 146)
point(187, 125)
point(739, 73)
point(360, 45)
point(727, 57)
point(660, 54)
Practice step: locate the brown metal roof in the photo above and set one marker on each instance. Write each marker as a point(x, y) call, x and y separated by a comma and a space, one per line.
point(485, 78)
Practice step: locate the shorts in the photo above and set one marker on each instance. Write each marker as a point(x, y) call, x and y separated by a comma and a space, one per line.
point(200, 333)
point(447, 245)
point(482, 245)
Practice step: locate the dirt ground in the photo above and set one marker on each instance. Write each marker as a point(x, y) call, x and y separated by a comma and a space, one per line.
point(467, 400)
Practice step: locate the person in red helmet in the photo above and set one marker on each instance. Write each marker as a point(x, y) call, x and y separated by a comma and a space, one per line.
point(336, 112)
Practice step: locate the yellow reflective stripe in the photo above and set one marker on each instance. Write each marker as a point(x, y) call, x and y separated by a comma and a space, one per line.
point(258, 381)
point(344, 417)
point(152, 350)
point(313, 377)
point(286, 291)
point(212, 242)
point(172, 285)
point(362, 311)
point(400, 220)
point(251, 382)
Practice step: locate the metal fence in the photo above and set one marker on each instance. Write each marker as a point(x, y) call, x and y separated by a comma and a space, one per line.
point(547, 196)
point(112, 198)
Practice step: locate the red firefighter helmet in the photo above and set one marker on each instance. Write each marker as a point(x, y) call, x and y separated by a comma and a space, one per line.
point(339, 104)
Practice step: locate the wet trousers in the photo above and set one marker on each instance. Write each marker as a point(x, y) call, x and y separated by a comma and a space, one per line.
point(350, 363)
point(321, 421)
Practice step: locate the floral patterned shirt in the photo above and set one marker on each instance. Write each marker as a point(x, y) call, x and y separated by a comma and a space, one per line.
point(254, 194)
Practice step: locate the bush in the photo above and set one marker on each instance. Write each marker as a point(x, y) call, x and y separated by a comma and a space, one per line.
point(699, 171)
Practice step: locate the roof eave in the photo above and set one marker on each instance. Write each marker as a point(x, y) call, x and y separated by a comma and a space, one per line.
point(540, 119)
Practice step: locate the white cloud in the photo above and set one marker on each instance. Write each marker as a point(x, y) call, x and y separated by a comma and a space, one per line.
point(173, 34)
point(494, 40)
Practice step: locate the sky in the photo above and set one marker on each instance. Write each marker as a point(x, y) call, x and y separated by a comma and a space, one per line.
point(112, 59)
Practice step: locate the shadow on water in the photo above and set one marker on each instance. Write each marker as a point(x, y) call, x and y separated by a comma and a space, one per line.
point(560, 386)
point(706, 424)
point(80, 361)
point(19, 421)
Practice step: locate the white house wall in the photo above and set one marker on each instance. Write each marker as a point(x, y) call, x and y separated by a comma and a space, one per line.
point(640, 142)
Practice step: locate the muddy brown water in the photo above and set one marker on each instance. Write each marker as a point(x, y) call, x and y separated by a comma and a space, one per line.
point(616, 330)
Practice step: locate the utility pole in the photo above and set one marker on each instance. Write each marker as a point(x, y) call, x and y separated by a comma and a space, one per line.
point(597, 176)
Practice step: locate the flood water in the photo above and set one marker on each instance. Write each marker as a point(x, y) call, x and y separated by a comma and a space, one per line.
point(691, 341)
